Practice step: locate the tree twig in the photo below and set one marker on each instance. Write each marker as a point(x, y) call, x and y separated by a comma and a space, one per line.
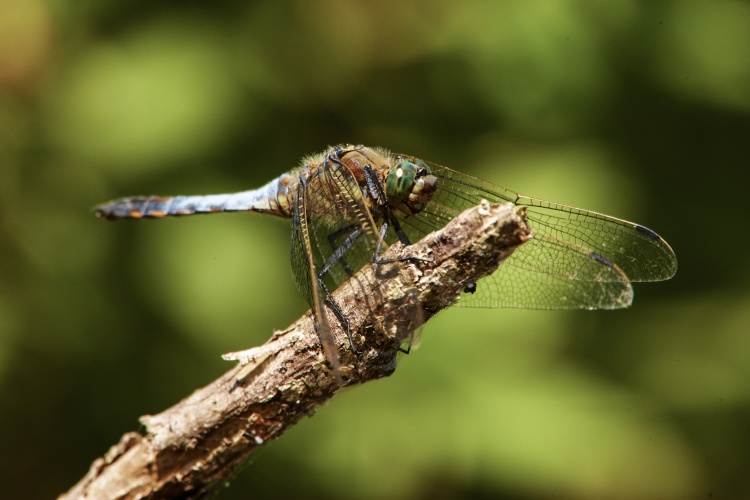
point(203, 439)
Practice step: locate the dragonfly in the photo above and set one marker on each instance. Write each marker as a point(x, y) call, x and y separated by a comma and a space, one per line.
point(349, 203)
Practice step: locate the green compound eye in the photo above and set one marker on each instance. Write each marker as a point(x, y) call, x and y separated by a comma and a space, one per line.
point(400, 181)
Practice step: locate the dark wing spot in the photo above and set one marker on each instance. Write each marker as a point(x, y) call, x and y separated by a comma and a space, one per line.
point(647, 232)
point(601, 259)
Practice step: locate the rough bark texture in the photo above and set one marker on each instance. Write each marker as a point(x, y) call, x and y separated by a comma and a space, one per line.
point(203, 439)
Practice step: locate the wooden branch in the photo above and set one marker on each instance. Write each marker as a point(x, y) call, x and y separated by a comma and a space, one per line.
point(203, 439)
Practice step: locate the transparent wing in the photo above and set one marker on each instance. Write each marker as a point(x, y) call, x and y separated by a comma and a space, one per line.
point(303, 269)
point(343, 231)
point(529, 279)
point(333, 235)
point(576, 258)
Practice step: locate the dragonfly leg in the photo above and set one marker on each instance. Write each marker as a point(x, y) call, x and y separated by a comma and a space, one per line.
point(336, 257)
point(338, 253)
point(332, 240)
point(375, 186)
point(342, 317)
point(378, 249)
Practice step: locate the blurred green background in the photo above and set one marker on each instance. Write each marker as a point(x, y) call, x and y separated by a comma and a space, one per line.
point(636, 109)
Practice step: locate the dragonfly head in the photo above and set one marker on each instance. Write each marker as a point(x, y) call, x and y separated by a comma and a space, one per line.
point(409, 186)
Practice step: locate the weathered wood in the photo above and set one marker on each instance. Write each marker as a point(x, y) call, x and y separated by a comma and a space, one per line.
point(203, 439)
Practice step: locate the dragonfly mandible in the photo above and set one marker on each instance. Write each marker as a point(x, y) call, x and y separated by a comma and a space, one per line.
point(350, 202)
